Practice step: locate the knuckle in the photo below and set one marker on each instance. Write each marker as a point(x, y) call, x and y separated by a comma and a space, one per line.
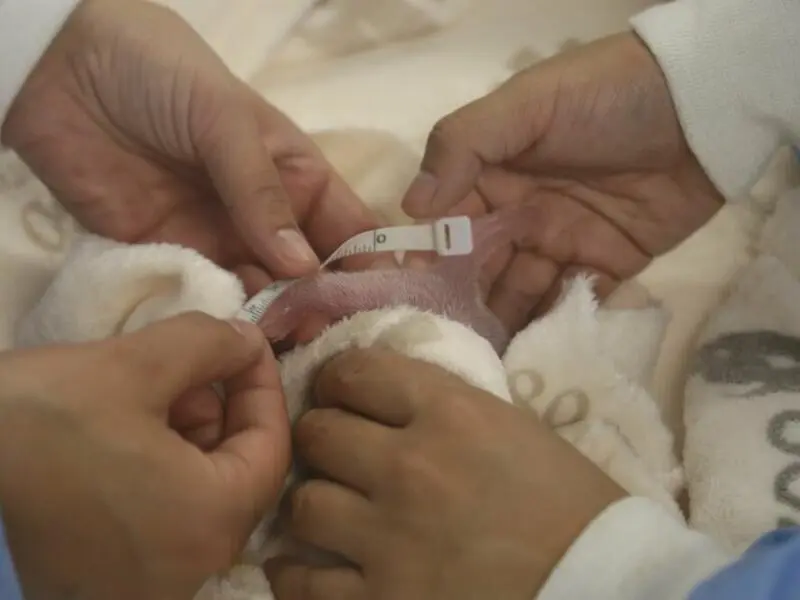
point(411, 472)
point(142, 353)
point(446, 131)
point(207, 329)
point(461, 409)
point(208, 546)
point(339, 372)
point(349, 361)
point(452, 390)
point(311, 429)
point(271, 195)
point(303, 502)
point(465, 418)
point(357, 371)
point(127, 359)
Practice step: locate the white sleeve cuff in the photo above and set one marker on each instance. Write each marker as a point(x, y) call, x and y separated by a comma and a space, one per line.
point(634, 550)
point(731, 66)
point(26, 29)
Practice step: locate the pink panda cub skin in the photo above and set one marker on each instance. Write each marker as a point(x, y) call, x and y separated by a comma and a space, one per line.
point(448, 287)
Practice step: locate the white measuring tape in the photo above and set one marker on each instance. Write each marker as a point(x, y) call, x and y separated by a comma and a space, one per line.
point(451, 236)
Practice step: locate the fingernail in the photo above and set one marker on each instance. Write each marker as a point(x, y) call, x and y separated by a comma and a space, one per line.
point(293, 247)
point(419, 197)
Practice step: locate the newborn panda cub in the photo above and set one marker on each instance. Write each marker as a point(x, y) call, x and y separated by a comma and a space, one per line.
point(449, 287)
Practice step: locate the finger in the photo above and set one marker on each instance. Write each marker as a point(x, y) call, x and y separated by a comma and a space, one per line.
point(484, 132)
point(329, 211)
point(374, 383)
point(449, 171)
point(294, 580)
point(253, 278)
point(254, 455)
point(570, 223)
point(250, 185)
point(198, 417)
point(331, 517)
point(520, 288)
point(185, 352)
point(334, 217)
point(342, 446)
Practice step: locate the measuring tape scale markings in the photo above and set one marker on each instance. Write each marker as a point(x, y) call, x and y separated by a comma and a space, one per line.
point(451, 236)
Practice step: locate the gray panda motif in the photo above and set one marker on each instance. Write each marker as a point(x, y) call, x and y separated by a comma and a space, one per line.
point(768, 360)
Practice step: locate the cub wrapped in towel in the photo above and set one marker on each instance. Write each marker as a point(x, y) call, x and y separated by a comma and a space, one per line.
point(437, 315)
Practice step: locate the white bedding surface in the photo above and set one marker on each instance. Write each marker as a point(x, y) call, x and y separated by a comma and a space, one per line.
point(369, 78)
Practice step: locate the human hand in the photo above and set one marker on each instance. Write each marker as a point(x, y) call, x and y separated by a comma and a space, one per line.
point(144, 135)
point(100, 498)
point(590, 140)
point(432, 489)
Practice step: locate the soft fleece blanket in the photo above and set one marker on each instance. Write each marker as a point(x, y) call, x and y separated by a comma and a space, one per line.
point(603, 408)
point(369, 78)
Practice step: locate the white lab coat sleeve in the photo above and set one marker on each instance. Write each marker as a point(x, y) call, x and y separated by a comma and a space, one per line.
point(733, 67)
point(635, 550)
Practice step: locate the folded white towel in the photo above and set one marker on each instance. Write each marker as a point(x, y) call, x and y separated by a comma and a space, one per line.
point(105, 288)
point(589, 364)
point(584, 371)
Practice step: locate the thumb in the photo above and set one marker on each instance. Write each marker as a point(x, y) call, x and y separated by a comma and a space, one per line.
point(255, 454)
point(487, 131)
point(246, 178)
point(186, 352)
point(449, 170)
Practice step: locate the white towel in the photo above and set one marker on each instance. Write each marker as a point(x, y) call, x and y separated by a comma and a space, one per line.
point(106, 287)
point(742, 416)
point(584, 371)
point(590, 364)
